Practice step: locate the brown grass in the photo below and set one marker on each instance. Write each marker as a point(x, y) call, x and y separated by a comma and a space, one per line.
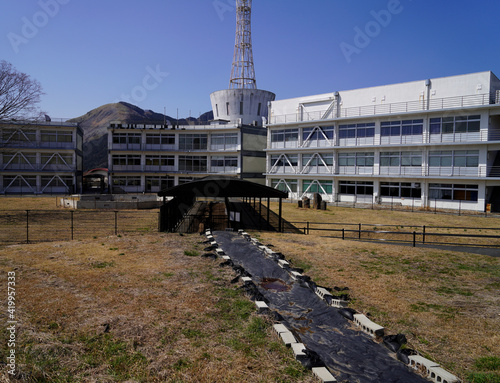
point(176, 318)
point(447, 303)
point(171, 317)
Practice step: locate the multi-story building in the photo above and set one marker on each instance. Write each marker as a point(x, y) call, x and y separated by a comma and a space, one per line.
point(40, 157)
point(432, 143)
point(149, 158)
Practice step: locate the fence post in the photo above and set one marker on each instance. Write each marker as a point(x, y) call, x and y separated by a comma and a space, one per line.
point(72, 225)
point(27, 226)
point(308, 228)
point(343, 233)
point(359, 232)
point(116, 222)
point(414, 238)
point(423, 234)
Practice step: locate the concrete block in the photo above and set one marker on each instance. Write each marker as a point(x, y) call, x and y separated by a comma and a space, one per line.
point(219, 251)
point(323, 375)
point(283, 264)
point(246, 279)
point(299, 350)
point(226, 257)
point(261, 306)
point(439, 375)
point(295, 275)
point(339, 303)
point(279, 328)
point(322, 292)
point(420, 363)
point(288, 338)
point(368, 326)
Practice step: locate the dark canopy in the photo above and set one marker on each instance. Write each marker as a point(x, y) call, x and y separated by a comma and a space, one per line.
point(221, 186)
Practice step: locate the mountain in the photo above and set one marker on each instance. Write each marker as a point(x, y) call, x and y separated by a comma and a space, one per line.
point(95, 128)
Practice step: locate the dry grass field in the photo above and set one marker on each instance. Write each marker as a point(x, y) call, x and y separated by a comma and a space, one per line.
point(145, 308)
point(142, 308)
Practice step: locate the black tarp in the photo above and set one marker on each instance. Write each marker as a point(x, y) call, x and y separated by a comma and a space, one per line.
point(351, 355)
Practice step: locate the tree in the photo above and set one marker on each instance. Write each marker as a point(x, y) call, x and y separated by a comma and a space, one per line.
point(19, 93)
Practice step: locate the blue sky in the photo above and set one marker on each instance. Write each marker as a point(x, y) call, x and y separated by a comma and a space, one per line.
point(173, 53)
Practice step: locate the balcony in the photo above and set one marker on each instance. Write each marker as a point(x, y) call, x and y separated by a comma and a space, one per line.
point(388, 109)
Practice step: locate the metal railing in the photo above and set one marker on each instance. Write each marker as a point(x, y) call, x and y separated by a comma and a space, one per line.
point(394, 108)
point(30, 226)
point(430, 235)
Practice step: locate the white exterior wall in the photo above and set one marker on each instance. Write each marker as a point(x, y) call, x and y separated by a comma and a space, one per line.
point(456, 96)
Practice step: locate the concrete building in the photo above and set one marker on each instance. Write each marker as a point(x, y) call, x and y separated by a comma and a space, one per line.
point(40, 157)
point(432, 143)
point(147, 158)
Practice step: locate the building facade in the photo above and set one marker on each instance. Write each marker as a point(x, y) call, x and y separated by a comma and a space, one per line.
point(40, 158)
point(147, 158)
point(432, 143)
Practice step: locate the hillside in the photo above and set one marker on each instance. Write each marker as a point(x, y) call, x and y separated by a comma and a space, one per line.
point(96, 122)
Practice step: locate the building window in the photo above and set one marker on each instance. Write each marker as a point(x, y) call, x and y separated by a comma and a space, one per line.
point(317, 163)
point(160, 139)
point(127, 138)
point(160, 161)
point(453, 192)
point(317, 136)
point(192, 163)
point(241, 107)
point(457, 124)
point(21, 161)
point(18, 136)
point(401, 159)
point(400, 189)
point(56, 136)
point(127, 181)
point(57, 182)
point(259, 108)
point(357, 130)
point(19, 182)
point(356, 187)
point(126, 160)
point(357, 159)
point(185, 180)
point(284, 163)
point(228, 141)
point(286, 138)
point(155, 184)
point(224, 164)
point(285, 185)
point(457, 158)
point(322, 187)
point(401, 128)
point(227, 108)
point(193, 142)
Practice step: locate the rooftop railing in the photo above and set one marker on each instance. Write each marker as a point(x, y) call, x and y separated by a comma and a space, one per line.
point(388, 109)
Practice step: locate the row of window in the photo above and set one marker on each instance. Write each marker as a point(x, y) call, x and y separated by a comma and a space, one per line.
point(186, 163)
point(45, 158)
point(46, 181)
point(19, 135)
point(456, 192)
point(186, 141)
point(444, 125)
point(442, 158)
point(151, 182)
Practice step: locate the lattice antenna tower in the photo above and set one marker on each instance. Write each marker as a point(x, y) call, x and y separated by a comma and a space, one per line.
point(242, 71)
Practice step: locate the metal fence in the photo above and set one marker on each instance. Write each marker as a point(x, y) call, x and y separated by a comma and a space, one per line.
point(430, 235)
point(30, 226)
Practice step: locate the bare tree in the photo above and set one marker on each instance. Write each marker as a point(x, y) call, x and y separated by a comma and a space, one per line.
point(19, 93)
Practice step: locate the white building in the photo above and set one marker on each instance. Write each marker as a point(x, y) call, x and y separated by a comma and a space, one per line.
point(40, 157)
point(432, 143)
point(149, 158)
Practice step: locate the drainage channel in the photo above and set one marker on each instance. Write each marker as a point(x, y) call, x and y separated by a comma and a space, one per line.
point(350, 355)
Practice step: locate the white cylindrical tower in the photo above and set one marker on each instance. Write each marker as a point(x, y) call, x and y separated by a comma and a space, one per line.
point(242, 101)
